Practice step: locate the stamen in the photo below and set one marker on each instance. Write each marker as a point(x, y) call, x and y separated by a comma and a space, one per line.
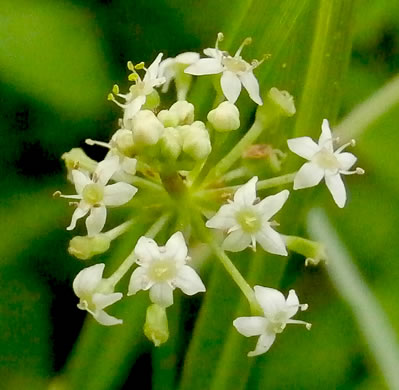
point(115, 89)
point(133, 77)
point(73, 204)
point(246, 42)
point(57, 194)
point(256, 63)
point(130, 66)
point(111, 97)
point(360, 171)
point(357, 171)
point(139, 65)
point(298, 322)
point(219, 38)
point(92, 142)
point(341, 148)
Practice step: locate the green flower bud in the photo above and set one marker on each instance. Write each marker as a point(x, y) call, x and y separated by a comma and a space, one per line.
point(77, 158)
point(283, 100)
point(156, 325)
point(196, 142)
point(184, 111)
point(313, 251)
point(168, 118)
point(123, 141)
point(225, 117)
point(171, 143)
point(85, 247)
point(147, 129)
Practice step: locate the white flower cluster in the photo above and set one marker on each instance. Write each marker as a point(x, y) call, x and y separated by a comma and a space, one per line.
point(161, 153)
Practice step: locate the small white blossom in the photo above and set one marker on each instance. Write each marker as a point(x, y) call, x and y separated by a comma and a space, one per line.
point(247, 221)
point(173, 69)
point(94, 195)
point(139, 92)
point(162, 269)
point(277, 313)
point(87, 287)
point(324, 162)
point(236, 71)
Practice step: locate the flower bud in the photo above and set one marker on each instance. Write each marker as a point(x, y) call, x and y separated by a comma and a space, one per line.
point(313, 251)
point(196, 142)
point(85, 247)
point(156, 325)
point(283, 100)
point(225, 117)
point(77, 158)
point(147, 129)
point(123, 141)
point(168, 118)
point(184, 111)
point(171, 143)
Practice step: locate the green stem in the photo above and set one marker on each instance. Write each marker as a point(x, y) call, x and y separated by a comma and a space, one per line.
point(363, 115)
point(113, 280)
point(372, 321)
point(147, 184)
point(118, 230)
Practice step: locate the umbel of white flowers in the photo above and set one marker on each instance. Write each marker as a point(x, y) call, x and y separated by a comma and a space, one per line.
point(162, 269)
point(324, 162)
point(247, 221)
point(277, 313)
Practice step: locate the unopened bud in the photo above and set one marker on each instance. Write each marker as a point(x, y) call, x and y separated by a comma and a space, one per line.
point(313, 251)
point(156, 325)
point(147, 129)
point(76, 158)
point(168, 118)
point(85, 247)
point(196, 142)
point(283, 100)
point(225, 117)
point(123, 141)
point(184, 111)
point(171, 143)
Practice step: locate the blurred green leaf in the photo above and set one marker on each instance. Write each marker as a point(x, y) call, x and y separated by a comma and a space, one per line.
point(49, 50)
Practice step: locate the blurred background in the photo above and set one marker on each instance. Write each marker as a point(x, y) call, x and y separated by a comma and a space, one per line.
point(58, 61)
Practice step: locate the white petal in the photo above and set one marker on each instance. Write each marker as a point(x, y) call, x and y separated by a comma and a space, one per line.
point(80, 212)
point(303, 146)
point(213, 52)
point(272, 204)
point(205, 66)
point(132, 109)
point(325, 139)
point(237, 241)
point(246, 194)
point(118, 194)
point(251, 84)
point(139, 281)
point(176, 248)
point(271, 241)
point(309, 175)
point(231, 86)
point(87, 280)
point(80, 180)
point(161, 294)
point(105, 319)
point(188, 281)
point(101, 301)
point(271, 300)
point(129, 165)
point(337, 189)
point(346, 160)
point(96, 220)
point(250, 326)
point(187, 58)
point(146, 251)
point(292, 304)
point(264, 343)
point(105, 169)
point(152, 71)
point(224, 219)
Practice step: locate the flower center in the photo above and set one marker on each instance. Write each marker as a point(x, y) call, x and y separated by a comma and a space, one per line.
point(249, 221)
point(93, 193)
point(235, 65)
point(326, 160)
point(162, 270)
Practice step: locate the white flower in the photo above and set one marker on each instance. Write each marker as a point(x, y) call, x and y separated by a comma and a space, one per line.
point(236, 71)
point(162, 269)
point(173, 69)
point(140, 90)
point(323, 163)
point(247, 221)
point(94, 195)
point(277, 313)
point(87, 287)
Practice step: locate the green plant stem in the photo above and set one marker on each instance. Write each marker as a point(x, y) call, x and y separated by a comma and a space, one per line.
point(145, 183)
point(372, 321)
point(367, 112)
point(119, 230)
point(113, 280)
